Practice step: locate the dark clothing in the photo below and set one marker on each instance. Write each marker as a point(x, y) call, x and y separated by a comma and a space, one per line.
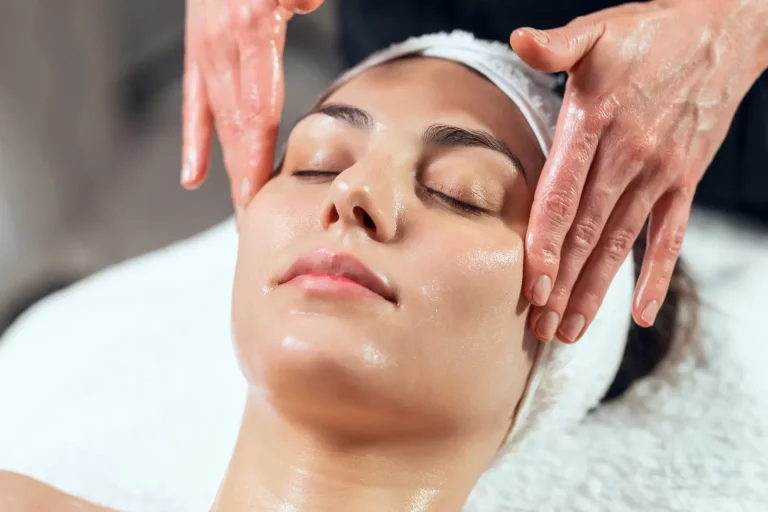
point(737, 180)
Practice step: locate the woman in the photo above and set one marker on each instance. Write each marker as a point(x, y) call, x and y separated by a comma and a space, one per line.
point(378, 315)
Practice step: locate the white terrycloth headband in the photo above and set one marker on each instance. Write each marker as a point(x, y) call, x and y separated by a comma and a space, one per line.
point(566, 380)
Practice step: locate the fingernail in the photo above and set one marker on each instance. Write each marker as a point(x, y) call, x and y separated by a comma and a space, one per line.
point(547, 326)
point(650, 312)
point(540, 36)
point(541, 290)
point(187, 174)
point(572, 327)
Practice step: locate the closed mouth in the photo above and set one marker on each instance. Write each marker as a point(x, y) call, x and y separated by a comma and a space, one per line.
point(324, 263)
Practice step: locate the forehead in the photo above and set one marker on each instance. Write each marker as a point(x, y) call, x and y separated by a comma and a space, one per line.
point(413, 93)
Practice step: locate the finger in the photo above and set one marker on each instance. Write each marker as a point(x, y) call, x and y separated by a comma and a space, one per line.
point(544, 324)
point(261, 63)
point(300, 6)
point(196, 115)
point(560, 49)
point(557, 199)
point(669, 219)
point(608, 179)
point(197, 127)
point(222, 71)
point(623, 227)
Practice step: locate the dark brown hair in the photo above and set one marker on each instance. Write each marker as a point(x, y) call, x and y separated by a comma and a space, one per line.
point(675, 326)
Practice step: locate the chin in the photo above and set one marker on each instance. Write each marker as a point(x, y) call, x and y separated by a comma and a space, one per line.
point(328, 375)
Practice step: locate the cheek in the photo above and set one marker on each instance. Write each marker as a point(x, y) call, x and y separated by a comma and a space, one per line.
point(478, 273)
point(278, 216)
point(470, 303)
point(274, 220)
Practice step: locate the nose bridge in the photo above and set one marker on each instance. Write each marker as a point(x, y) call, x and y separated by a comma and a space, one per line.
point(366, 195)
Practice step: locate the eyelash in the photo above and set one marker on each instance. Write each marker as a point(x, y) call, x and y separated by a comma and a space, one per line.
point(449, 200)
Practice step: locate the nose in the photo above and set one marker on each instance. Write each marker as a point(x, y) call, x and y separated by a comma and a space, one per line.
point(357, 200)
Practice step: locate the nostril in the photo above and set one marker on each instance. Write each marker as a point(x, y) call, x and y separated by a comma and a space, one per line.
point(333, 215)
point(364, 218)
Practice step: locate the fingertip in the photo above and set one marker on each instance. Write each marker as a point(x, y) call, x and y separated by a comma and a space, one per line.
point(572, 327)
point(649, 313)
point(194, 169)
point(533, 46)
point(192, 184)
point(547, 325)
point(541, 290)
point(528, 34)
point(301, 6)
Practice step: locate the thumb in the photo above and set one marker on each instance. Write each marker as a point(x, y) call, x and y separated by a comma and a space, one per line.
point(559, 49)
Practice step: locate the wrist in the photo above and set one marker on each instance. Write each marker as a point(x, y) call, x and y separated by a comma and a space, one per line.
point(749, 28)
point(758, 24)
point(743, 22)
point(746, 24)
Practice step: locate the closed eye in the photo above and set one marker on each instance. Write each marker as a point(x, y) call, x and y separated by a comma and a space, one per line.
point(319, 176)
point(454, 203)
point(450, 201)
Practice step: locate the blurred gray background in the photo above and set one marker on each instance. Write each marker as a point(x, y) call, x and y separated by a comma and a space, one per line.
point(90, 135)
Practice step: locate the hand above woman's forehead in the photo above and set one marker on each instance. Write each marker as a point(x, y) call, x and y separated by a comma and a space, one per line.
point(233, 80)
point(651, 93)
point(653, 88)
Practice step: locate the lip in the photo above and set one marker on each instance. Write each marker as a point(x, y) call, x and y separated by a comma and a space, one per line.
point(337, 272)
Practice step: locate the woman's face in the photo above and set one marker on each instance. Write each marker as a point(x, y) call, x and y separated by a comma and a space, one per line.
point(409, 180)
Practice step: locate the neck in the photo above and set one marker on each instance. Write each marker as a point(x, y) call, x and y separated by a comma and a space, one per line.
point(278, 466)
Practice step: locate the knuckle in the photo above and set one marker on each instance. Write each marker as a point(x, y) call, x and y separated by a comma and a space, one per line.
point(618, 243)
point(606, 108)
point(544, 255)
point(671, 244)
point(642, 149)
point(558, 205)
point(598, 118)
point(598, 113)
point(584, 234)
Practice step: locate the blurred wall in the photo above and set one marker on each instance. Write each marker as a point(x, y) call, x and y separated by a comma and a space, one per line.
point(85, 183)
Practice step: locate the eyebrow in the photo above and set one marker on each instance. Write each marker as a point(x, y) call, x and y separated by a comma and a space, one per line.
point(437, 134)
point(453, 136)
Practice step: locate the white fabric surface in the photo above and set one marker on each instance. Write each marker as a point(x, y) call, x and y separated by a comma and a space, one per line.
point(566, 380)
point(124, 390)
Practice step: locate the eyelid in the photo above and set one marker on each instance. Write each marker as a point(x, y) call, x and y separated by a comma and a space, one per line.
point(452, 202)
point(465, 195)
point(309, 173)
